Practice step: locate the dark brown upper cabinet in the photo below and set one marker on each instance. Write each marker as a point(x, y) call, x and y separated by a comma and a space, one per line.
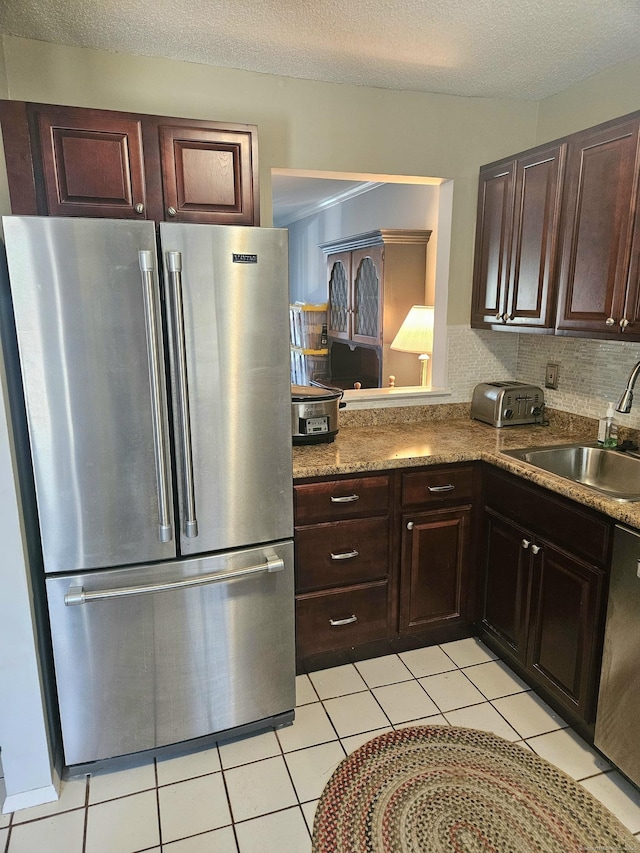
point(558, 237)
point(70, 161)
point(517, 241)
point(598, 293)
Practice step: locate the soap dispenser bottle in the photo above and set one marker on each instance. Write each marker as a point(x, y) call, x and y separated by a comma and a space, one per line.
point(608, 428)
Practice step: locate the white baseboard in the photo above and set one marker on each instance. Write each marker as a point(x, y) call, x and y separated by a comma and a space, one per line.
point(35, 797)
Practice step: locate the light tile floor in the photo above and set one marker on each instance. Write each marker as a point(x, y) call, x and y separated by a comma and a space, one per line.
point(258, 794)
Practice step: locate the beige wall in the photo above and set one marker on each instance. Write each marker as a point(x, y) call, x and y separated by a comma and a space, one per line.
point(302, 124)
point(608, 95)
point(324, 126)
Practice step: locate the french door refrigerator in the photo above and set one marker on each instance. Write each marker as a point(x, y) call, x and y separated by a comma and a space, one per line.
point(158, 414)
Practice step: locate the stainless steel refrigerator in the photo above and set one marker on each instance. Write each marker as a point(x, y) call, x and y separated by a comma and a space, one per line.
point(158, 413)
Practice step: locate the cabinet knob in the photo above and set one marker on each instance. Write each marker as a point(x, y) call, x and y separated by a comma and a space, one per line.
point(624, 323)
point(535, 549)
point(610, 321)
point(525, 544)
point(171, 211)
point(409, 525)
point(498, 316)
point(508, 317)
point(139, 208)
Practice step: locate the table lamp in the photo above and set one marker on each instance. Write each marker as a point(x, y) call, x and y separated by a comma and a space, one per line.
point(416, 335)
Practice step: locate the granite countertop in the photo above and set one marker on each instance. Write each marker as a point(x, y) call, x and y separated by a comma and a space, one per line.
point(362, 446)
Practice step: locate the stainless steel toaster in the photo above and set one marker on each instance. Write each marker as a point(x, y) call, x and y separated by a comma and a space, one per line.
point(507, 403)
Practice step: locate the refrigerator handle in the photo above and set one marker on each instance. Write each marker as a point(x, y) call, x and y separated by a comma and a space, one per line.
point(78, 595)
point(157, 410)
point(174, 269)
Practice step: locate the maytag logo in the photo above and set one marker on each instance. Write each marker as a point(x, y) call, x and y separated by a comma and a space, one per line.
point(239, 258)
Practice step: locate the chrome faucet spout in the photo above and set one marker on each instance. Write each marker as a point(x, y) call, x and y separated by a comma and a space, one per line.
point(626, 398)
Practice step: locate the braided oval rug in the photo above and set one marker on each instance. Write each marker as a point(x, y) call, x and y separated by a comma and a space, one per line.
point(431, 789)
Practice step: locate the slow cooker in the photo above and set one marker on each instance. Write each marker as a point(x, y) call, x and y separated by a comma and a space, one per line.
point(314, 413)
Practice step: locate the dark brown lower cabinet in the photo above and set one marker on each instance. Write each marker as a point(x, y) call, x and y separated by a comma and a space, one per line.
point(566, 598)
point(343, 558)
point(506, 580)
point(544, 591)
point(434, 568)
point(341, 618)
point(383, 557)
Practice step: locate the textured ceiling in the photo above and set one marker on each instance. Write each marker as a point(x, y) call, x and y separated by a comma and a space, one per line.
point(488, 48)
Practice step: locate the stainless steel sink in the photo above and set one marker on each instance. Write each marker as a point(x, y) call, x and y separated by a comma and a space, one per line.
point(610, 472)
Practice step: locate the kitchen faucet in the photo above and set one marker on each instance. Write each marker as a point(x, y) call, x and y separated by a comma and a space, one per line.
point(626, 398)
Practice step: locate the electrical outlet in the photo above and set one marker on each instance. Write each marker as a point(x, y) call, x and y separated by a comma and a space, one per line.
point(551, 376)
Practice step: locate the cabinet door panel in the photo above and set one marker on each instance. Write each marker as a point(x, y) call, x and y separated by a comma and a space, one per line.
point(434, 573)
point(535, 239)
point(341, 552)
point(206, 175)
point(565, 605)
point(493, 238)
point(601, 181)
point(506, 583)
point(339, 283)
point(92, 165)
point(366, 271)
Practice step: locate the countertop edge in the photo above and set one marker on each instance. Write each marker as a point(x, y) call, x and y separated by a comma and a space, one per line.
point(625, 512)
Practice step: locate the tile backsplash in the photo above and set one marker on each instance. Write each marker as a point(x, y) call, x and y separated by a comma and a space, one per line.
point(591, 372)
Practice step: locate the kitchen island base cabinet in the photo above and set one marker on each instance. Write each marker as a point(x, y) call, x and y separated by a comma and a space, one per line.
point(545, 562)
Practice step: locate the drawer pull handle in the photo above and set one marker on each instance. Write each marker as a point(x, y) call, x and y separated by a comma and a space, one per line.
point(345, 555)
point(345, 499)
point(335, 623)
point(447, 488)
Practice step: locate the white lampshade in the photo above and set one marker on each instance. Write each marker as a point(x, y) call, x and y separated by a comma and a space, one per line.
point(416, 335)
point(416, 332)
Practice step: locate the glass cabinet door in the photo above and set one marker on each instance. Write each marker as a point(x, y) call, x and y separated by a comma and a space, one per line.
point(367, 265)
point(339, 318)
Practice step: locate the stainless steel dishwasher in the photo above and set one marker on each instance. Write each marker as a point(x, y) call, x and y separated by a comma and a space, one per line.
point(618, 713)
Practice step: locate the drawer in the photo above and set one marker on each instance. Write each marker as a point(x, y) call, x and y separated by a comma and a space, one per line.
point(341, 619)
point(334, 499)
point(436, 486)
point(341, 552)
point(567, 524)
